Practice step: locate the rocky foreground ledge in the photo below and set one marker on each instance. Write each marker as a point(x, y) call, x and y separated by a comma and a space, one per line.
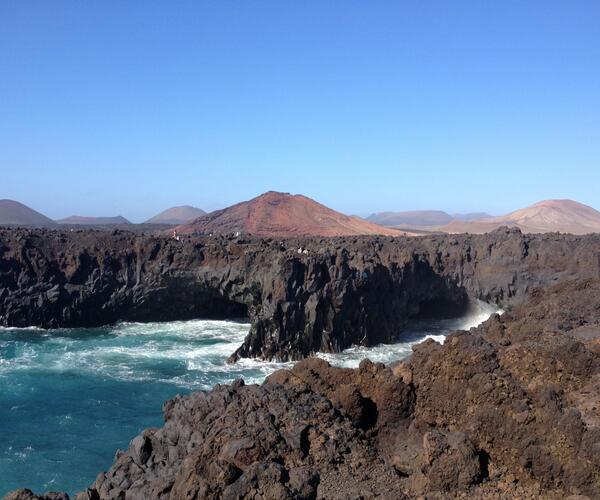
point(507, 410)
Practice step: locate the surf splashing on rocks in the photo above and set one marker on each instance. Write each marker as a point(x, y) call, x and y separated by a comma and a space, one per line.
point(190, 354)
point(416, 332)
point(70, 397)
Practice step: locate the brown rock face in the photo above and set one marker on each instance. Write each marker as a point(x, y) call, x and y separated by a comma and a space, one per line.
point(282, 215)
point(237, 441)
point(507, 410)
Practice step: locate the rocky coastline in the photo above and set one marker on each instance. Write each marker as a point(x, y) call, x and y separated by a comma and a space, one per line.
point(300, 295)
point(510, 409)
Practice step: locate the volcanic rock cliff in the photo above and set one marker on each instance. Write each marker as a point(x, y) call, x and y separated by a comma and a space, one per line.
point(507, 410)
point(301, 296)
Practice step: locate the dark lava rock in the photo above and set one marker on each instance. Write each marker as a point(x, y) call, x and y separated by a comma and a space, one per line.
point(239, 441)
point(334, 293)
point(509, 409)
point(25, 494)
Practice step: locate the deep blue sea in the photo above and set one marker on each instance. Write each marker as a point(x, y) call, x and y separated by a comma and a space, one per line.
point(69, 398)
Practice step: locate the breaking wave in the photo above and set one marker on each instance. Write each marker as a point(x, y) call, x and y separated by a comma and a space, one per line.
point(70, 397)
point(416, 332)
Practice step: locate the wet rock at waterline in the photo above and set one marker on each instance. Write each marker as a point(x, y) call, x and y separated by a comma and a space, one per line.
point(301, 296)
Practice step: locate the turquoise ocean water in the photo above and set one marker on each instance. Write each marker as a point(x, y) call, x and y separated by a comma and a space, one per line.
point(70, 397)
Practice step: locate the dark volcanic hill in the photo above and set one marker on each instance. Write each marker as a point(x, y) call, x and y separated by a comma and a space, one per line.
point(13, 213)
point(563, 216)
point(282, 215)
point(177, 215)
point(78, 220)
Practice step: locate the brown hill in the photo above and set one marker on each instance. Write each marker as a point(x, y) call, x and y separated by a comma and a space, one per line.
point(13, 213)
point(283, 215)
point(564, 216)
point(79, 220)
point(177, 215)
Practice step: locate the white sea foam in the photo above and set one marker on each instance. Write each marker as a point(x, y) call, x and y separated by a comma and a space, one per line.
point(191, 354)
point(416, 333)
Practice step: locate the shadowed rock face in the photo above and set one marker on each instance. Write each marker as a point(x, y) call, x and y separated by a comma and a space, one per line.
point(301, 296)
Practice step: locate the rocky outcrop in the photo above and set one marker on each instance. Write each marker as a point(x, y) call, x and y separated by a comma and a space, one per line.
point(507, 410)
point(301, 295)
point(288, 447)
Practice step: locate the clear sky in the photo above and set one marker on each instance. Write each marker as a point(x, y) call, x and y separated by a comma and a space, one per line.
point(129, 107)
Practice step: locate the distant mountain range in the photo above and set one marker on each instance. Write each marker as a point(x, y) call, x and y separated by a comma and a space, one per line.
point(13, 213)
point(78, 220)
point(421, 218)
point(564, 216)
point(177, 215)
point(413, 217)
point(470, 216)
point(282, 215)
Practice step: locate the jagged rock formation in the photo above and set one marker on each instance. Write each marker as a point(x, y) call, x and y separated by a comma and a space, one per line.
point(301, 296)
point(507, 410)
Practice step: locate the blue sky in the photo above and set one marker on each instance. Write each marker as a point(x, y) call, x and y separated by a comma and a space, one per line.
point(129, 107)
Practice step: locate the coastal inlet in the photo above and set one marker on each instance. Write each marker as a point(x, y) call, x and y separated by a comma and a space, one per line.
point(73, 396)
